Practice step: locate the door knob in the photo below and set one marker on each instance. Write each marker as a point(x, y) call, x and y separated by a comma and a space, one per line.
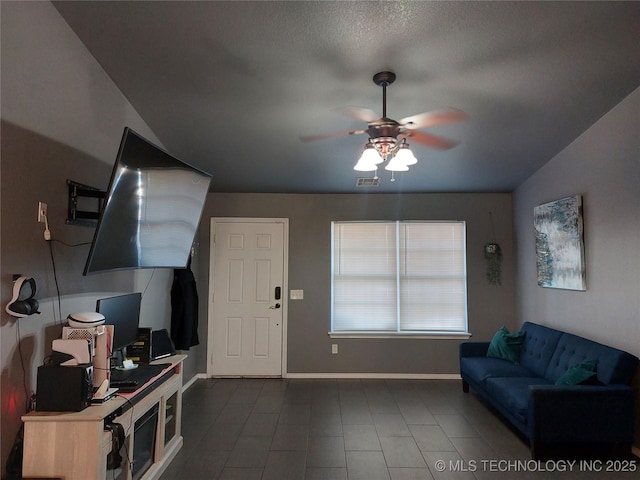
point(275, 307)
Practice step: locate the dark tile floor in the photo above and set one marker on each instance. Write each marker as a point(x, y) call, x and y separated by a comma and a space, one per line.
point(272, 429)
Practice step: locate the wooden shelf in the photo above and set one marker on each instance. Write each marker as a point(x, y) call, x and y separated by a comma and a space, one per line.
point(59, 444)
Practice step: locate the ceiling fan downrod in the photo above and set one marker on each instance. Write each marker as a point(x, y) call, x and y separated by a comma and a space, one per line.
point(383, 133)
point(384, 79)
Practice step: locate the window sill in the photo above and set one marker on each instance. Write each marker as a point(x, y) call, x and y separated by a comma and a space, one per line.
point(412, 336)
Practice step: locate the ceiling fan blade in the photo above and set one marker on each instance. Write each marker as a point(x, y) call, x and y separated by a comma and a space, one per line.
point(323, 136)
point(433, 141)
point(435, 117)
point(359, 113)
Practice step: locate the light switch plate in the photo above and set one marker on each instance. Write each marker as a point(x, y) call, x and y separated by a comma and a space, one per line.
point(296, 294)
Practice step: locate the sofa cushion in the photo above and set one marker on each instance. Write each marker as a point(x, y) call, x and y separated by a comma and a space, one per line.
point(513, 393)
point(581, 373)
point(481, 368)
point(538, 348)
point(506, 345)
point(614, 366)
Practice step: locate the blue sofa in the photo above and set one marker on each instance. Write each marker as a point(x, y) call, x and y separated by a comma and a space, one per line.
point(551, 415)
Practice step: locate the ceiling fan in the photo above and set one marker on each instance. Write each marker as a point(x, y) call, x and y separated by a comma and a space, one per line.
point(388, 137)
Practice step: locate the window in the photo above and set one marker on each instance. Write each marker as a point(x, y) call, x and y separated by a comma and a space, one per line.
point(398, 278)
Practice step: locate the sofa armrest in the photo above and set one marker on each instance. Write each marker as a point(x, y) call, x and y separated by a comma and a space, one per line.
point(581, 413)
point(474, 349)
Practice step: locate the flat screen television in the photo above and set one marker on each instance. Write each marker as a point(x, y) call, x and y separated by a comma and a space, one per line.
point(123, 312)
point(151, 210)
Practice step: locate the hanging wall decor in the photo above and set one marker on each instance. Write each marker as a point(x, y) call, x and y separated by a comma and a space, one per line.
point(559, 244)
point(493, 256)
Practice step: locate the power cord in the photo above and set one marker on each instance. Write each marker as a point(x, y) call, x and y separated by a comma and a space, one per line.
point(24, 371)
point(47, 232)
point(50, 241)
point(70, 244)
point(130, 430)
point(55, 279)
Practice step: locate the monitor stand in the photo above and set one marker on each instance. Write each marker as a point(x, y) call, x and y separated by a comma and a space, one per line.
point(119, 360)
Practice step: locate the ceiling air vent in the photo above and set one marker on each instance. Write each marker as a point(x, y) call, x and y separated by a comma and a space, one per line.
point(368, 182)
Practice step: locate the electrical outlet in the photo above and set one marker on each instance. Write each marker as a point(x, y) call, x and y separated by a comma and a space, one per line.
point(334, 348)
point(42, 212)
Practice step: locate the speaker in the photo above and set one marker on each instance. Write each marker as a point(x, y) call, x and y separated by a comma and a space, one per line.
point(22, 303)
point(64, 389)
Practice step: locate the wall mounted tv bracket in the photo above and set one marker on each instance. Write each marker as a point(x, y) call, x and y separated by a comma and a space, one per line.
point(80, 198)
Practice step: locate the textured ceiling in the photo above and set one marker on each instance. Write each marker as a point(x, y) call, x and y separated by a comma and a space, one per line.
point(232, 86)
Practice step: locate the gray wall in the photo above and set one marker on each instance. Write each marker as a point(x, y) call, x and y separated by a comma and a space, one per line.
point(310, 216)
point(62, 118)
point(602, 165)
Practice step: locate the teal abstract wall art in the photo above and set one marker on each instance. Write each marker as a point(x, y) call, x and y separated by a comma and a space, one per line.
point(560, 244)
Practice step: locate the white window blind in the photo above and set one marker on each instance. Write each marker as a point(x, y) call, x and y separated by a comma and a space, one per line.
point(399, 277)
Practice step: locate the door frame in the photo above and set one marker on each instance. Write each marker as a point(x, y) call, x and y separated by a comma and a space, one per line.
point(285, 284)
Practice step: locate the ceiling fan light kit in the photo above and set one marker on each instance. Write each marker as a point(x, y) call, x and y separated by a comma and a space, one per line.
point(396, 165)
point(404, 155)
point(369, 160)
point(388, 137)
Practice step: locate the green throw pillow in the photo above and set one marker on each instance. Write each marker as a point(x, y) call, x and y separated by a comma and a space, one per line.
point(578, 374)
point(506, 345)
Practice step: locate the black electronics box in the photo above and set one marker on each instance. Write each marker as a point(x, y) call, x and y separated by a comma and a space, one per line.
point(161, 345)
point(64, 388)
point(140, 351)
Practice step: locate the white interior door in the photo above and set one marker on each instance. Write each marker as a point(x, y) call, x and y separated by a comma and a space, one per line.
point(247, 294)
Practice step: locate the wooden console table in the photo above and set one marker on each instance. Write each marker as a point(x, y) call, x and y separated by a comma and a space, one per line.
point(75, 445)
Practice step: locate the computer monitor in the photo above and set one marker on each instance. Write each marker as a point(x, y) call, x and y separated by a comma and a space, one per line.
point(123, 312)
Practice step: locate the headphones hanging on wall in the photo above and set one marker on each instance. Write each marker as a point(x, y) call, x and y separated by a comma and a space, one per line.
point(22, 303)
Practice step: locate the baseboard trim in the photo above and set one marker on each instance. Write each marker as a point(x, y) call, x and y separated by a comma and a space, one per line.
point(193, 380)
point(364, 376)
point(381, 376)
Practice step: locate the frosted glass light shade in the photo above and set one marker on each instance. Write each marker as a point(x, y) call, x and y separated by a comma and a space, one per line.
point(405, 156)
point(368, 161)
point(365, 166)
point(395, 165)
